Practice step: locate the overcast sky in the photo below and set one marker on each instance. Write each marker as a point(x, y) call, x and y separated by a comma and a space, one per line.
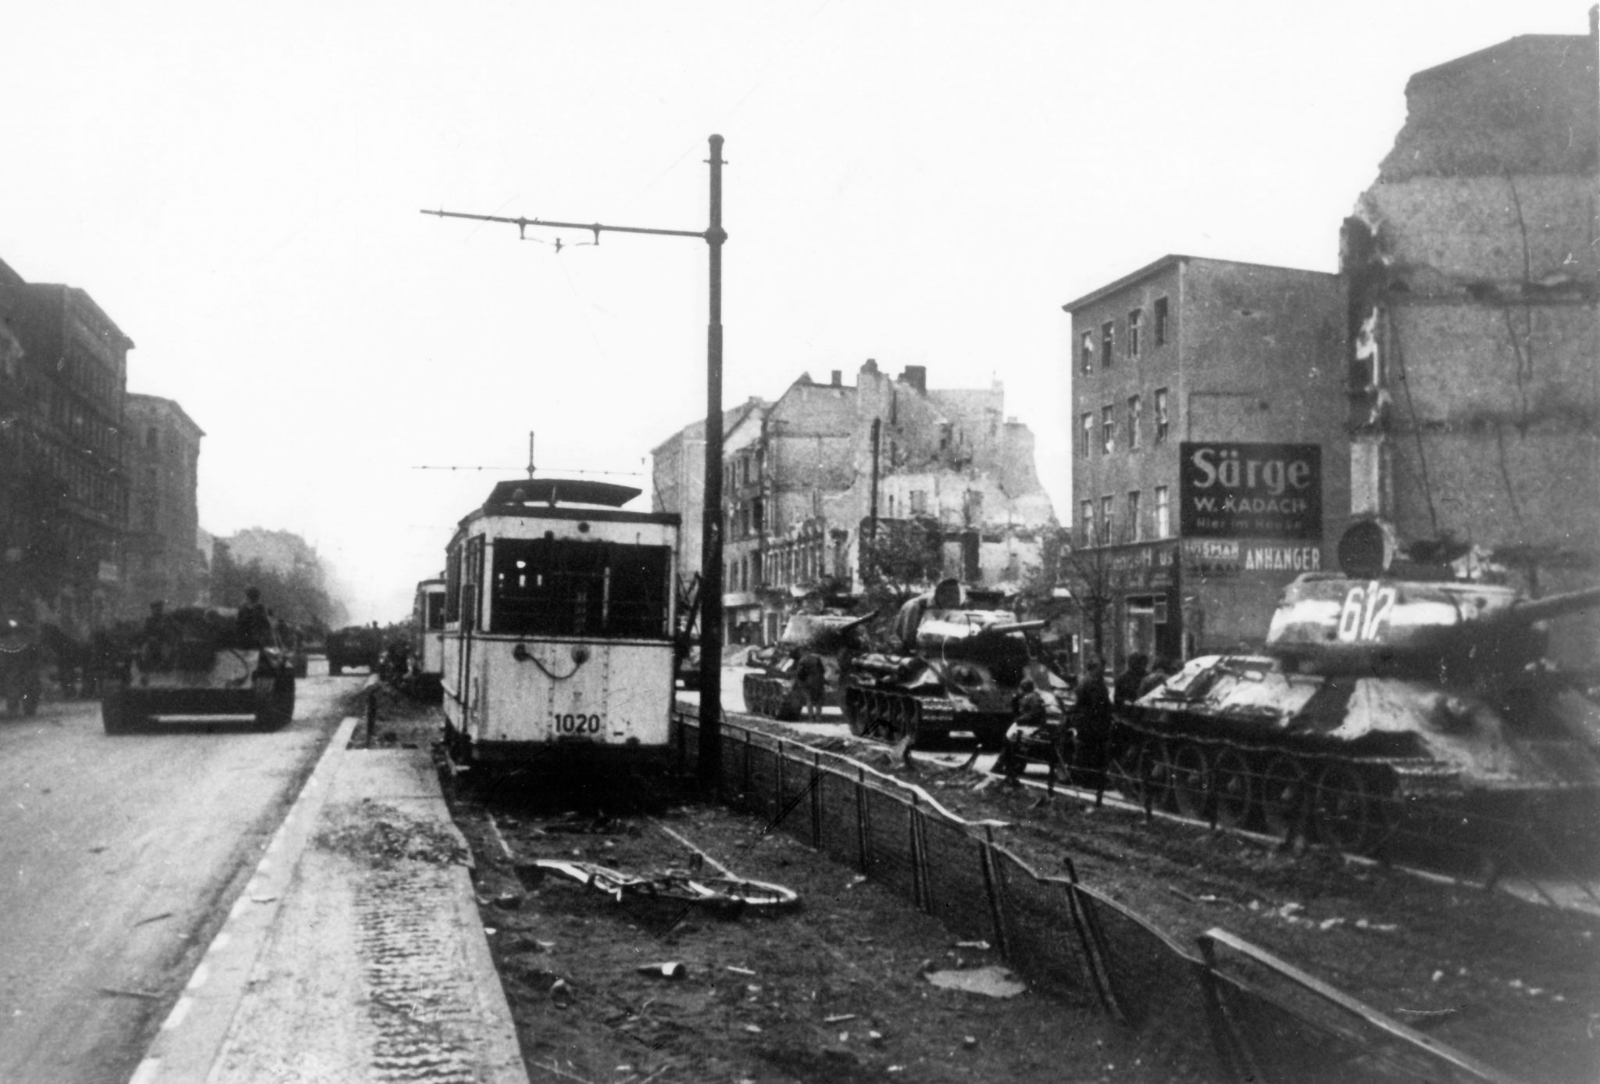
point(923, 183)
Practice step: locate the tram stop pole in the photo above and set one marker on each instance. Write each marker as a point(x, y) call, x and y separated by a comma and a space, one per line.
point(710, 749)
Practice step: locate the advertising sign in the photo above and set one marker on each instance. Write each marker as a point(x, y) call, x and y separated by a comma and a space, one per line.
point(1238, 490)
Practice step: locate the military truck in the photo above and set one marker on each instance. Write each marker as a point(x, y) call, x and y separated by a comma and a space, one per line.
point(354, 645)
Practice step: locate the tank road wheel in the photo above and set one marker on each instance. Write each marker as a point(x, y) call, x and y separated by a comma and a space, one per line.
point(1284, 790)
point(752, 696)
point(1155, 774)
point(1232, 787)
point(1350, 811)
point(1191, 780)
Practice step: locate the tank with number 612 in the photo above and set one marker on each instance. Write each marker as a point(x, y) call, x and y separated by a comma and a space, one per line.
point(1375, 697)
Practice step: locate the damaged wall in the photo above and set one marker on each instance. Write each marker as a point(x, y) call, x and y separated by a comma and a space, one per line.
point(1472, 262)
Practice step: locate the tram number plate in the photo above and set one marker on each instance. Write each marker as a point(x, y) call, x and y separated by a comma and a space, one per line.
point(578, 724)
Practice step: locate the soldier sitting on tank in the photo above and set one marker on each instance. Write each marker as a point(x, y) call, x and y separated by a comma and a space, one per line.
point(255, 627)
point(1093, 721)
point(810, 679)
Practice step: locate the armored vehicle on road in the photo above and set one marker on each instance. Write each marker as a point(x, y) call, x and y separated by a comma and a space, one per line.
point(200, 662)
point(831, 636)
point(955, 661)
point(1374, 694)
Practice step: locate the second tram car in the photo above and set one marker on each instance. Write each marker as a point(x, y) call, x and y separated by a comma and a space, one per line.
point(427, 637)
point(558, 623)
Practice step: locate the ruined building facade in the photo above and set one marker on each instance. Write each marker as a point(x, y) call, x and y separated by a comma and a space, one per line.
point(810, 480)
point(1473, 265)
point(162, 547)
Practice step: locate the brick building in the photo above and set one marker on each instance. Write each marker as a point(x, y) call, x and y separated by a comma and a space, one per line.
point(1474, 285)
point(1184, 374)
point(63, 492)
point(161, 552)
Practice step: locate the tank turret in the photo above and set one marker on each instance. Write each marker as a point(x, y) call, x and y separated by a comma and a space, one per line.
point(831, 636)
point(1375, 694)
point(955, 660)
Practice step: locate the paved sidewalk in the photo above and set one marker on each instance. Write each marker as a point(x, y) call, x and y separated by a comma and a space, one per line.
point(355, 954)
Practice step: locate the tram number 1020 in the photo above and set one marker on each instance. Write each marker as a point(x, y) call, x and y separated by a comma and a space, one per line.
point(1365, 612)
point(570, 723)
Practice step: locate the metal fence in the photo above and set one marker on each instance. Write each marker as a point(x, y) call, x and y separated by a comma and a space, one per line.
point(1222, 1009)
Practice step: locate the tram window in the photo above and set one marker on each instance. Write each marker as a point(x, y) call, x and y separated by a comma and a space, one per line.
point(559, 588)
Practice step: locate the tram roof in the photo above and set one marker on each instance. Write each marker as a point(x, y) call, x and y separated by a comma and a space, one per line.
point(554, 491)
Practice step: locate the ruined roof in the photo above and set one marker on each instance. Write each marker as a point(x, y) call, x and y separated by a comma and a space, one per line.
point(1526, 105)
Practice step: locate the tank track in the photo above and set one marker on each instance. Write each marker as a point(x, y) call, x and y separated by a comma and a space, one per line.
point(891, 715)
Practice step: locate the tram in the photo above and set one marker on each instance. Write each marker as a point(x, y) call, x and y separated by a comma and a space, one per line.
point(558, 623)
point(427, 637)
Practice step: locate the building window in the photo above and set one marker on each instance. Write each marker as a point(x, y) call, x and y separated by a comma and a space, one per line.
point(1085, 434)
point(1086, 354)
point(1086, 521)
point(1163, 513)
point(1108, 342)
point(1108, 430)
point(919, 502)
point(1134, 316)
point(1135, 525)
point(1163, 426)
point(1107, 511)
point(1163, 330)
point(1134, 409)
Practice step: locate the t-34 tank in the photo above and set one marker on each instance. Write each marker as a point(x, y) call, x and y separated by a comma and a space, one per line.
point(1374, 694)
point(954, 664)
point(830, 636)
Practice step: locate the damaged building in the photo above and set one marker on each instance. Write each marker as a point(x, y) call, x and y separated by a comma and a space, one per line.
point(811, 479)
point(1474, 369)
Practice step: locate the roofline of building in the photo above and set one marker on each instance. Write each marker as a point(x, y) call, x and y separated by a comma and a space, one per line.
point(730, 417)
point(1474, 58)
point(1172, 260)
point(173, 403)
point(127, 342)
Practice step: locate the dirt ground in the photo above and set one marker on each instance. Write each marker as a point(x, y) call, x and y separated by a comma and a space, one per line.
point(836, 989)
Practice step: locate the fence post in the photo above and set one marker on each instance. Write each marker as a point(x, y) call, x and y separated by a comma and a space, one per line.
point(919, 874)
point(816, 800)
point(1092, 939)
point(861, 816)
point(777, 799)
point(744, 781)
point(992, 886)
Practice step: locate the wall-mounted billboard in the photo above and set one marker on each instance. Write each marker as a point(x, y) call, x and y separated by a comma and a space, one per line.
point(1240, 490)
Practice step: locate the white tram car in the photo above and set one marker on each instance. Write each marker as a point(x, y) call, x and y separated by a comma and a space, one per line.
point(427, 635)
point(558, 627)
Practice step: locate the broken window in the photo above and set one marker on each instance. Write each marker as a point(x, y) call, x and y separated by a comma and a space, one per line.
point(1134, 316)
point(1086, 522)
point(1134, 409)
point(1108, 342)
point(1163, 428)
point(1107, 515)
point(1086, 434)
point(1086, 353)
point(1163, 513)
point(1134, 523)
point(1108, 430)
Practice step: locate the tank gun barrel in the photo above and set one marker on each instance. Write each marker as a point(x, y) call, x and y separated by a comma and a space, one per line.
point(1013, 626)
point(858, 622)
point(1529, 611)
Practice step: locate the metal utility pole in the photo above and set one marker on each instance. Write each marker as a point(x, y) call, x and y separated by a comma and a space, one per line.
point(710, 746)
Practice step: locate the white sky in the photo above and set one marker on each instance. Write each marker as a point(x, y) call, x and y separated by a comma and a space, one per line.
point(922, 182)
